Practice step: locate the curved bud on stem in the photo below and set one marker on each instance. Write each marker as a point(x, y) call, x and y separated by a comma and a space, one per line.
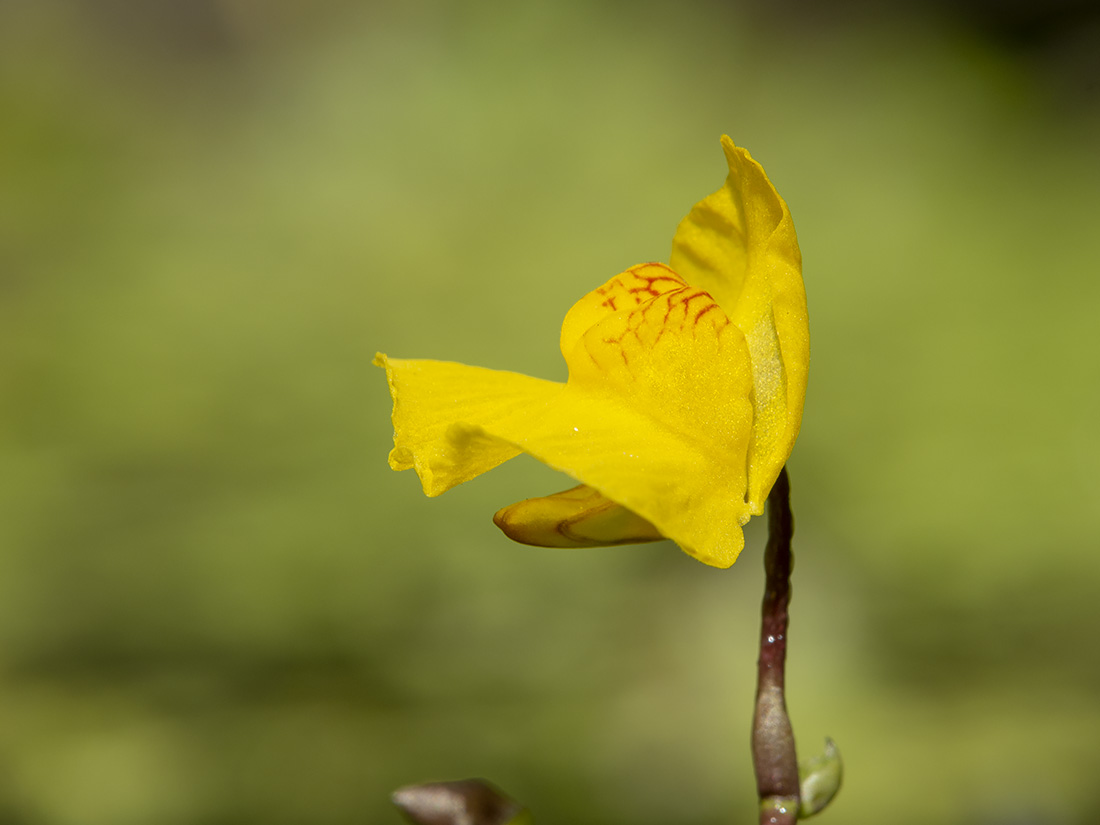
point(820, 778)
point(465, 802)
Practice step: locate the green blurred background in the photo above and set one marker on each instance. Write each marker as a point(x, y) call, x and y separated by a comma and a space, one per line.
point(219, 605)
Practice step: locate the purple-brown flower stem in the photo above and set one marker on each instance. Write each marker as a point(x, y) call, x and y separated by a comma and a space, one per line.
point(773, 753)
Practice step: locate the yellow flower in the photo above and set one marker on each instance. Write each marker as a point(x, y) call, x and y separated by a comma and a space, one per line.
point(684, 399)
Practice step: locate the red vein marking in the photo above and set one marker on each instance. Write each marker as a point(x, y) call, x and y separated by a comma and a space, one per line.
point(650, 280)
point(651, 289)
point(704, 311)
point(660, 333)
point(672, 305)
point(687, 298)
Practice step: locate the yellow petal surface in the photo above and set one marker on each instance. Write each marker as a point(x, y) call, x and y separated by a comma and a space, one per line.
point(739, 244)
point(656, 414)
point(444, 415)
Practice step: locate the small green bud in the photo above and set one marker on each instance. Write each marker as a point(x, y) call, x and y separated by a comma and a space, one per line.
point(819, 780)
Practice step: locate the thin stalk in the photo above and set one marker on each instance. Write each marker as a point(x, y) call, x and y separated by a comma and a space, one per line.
point(773, 753)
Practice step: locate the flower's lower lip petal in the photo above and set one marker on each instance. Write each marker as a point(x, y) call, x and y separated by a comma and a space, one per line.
point(656, 415)
point(692, 496)
point(445, 414)
point(453, 422)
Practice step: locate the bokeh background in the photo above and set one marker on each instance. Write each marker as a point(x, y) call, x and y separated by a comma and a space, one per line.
point(219, 605)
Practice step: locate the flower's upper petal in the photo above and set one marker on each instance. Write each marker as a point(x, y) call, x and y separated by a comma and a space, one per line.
point(739, 245)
